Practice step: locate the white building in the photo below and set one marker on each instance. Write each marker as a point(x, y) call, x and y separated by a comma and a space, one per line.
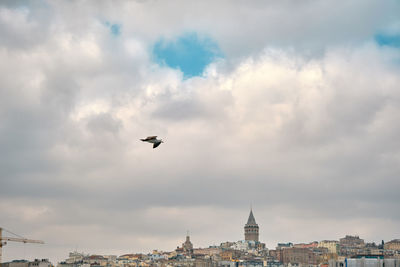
point(365, 262)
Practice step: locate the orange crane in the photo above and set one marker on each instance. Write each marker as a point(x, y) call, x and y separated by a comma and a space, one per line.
point(3, 240)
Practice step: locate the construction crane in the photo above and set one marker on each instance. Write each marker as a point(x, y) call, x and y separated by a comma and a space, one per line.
point(3, 241)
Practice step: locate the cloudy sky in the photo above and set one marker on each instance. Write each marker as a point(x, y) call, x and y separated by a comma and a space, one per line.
point(292, 107)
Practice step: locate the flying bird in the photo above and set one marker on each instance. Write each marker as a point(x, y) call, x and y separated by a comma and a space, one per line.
point(153, 139)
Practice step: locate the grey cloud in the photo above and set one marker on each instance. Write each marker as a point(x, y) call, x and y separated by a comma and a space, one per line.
point(184, 109)
point(24, 24)
point(104, 123)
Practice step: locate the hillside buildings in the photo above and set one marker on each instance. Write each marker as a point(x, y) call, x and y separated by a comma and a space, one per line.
point(349, 251)
point(393, 245)
point(252, 253)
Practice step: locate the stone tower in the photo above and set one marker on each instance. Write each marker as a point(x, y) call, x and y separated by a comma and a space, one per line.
point(251, 228)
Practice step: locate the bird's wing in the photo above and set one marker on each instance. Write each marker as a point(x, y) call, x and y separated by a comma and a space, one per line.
point(156, 144)
point(150, 137)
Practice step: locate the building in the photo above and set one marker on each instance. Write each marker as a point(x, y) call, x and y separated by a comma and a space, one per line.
point(230, 254)
point(227, 244)
point(40, 263)
point(306, 245)
point(351, 245)
point(276, 255)
point(365, 262)
point(251, 263)
point(273, 263)
point(211, 251)
point(25, 263)
point(392, 245)
point(16, 263)
point(251, 230)
point(75, 257)
point(284, 245)
point(98, 260)
point(352, 241)
point(331, 245)
point(303, 256)
point(187, 247)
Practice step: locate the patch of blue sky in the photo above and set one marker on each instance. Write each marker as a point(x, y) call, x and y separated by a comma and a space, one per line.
point(115, 29)
point(188, 52)
point(388, 40)
point(17, 4)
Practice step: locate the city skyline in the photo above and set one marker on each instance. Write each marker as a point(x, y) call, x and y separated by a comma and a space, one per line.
point(247, 235)
point(293, 251)
point(291, 106)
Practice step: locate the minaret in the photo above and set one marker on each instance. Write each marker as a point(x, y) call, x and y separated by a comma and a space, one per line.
point(251, 228)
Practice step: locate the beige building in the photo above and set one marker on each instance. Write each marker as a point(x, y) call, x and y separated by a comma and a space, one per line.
point(331, 245)
point(352, 241)
point(207, 251)
point(304, 256)
point(229, 255)
point(392, 245)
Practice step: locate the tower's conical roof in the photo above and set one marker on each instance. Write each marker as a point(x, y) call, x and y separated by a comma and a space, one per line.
point(251, 220)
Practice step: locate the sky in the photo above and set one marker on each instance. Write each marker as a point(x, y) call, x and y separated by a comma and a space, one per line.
point(291, 107)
